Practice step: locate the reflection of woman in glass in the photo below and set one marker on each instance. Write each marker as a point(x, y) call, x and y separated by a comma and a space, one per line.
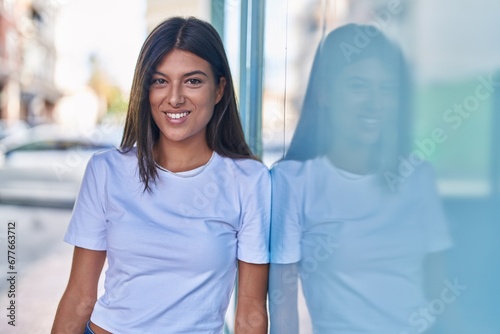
point(352, 218)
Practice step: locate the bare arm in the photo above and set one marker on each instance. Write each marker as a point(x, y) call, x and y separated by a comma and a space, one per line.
point(80, 295)
point(251, 311)
point(283, 286)
point(437, 287)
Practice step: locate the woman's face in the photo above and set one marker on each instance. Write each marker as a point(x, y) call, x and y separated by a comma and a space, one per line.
point(364, 99)
point(183, 93)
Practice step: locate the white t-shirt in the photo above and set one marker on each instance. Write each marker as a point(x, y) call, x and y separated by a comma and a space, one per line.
point(172, 253)
point(360, 247)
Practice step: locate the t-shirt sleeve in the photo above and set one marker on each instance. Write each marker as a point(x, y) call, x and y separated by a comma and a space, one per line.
point(436, 226)
point(87, 226)
point(253, 234)
point(286, 214)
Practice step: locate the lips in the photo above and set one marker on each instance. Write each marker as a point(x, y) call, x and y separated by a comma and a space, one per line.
point(369, 121)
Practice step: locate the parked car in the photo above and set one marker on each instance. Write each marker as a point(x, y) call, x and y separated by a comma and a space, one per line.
point(7, 129)
point(45, 164)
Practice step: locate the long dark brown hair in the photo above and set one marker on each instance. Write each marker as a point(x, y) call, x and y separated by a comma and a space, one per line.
point(224, 131)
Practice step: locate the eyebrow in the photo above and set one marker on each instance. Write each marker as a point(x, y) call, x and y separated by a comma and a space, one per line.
point(357, 78)
point(185, 74)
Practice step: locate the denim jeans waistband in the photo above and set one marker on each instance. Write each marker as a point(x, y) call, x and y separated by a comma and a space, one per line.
point(87, 329)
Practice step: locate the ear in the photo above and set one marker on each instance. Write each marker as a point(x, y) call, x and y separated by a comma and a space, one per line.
point(220, 90)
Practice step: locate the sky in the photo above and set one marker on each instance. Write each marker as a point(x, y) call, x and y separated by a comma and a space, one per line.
point(113, 30)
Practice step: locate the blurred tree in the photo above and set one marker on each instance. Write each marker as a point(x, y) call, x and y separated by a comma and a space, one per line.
point(113, 99)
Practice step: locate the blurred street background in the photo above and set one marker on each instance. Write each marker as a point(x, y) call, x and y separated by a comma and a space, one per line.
point(42, 265)
point(66, 68)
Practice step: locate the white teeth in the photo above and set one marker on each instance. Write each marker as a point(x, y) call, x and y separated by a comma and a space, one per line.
point(177, 115)
point(370, 121)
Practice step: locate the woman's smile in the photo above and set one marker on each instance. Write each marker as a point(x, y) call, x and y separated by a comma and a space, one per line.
point(176, 117)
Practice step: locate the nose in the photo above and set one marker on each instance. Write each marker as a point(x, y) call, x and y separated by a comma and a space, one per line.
point(176, 96)
point(374, 101)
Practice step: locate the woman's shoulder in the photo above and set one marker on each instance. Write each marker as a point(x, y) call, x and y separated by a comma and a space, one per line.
point(424, 174)
point(115, 157)
point(245, 167)
point(413, 173)
point(297, 168)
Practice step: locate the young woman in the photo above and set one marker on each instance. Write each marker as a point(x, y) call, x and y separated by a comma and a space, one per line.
point(352, 221)
point(179, 209)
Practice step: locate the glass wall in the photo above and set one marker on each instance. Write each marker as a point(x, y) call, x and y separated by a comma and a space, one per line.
point(380, 122)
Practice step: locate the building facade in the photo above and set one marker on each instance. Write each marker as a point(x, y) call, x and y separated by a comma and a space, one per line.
point(27, 60)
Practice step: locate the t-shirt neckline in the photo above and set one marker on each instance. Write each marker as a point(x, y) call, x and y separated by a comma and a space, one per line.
point(188, 173)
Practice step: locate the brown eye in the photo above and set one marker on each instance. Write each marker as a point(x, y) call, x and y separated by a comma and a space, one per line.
point(194, 82)
point(159, 81)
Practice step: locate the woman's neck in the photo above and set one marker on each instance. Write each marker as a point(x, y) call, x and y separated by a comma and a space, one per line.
point(180, 157)
point(354, 159)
